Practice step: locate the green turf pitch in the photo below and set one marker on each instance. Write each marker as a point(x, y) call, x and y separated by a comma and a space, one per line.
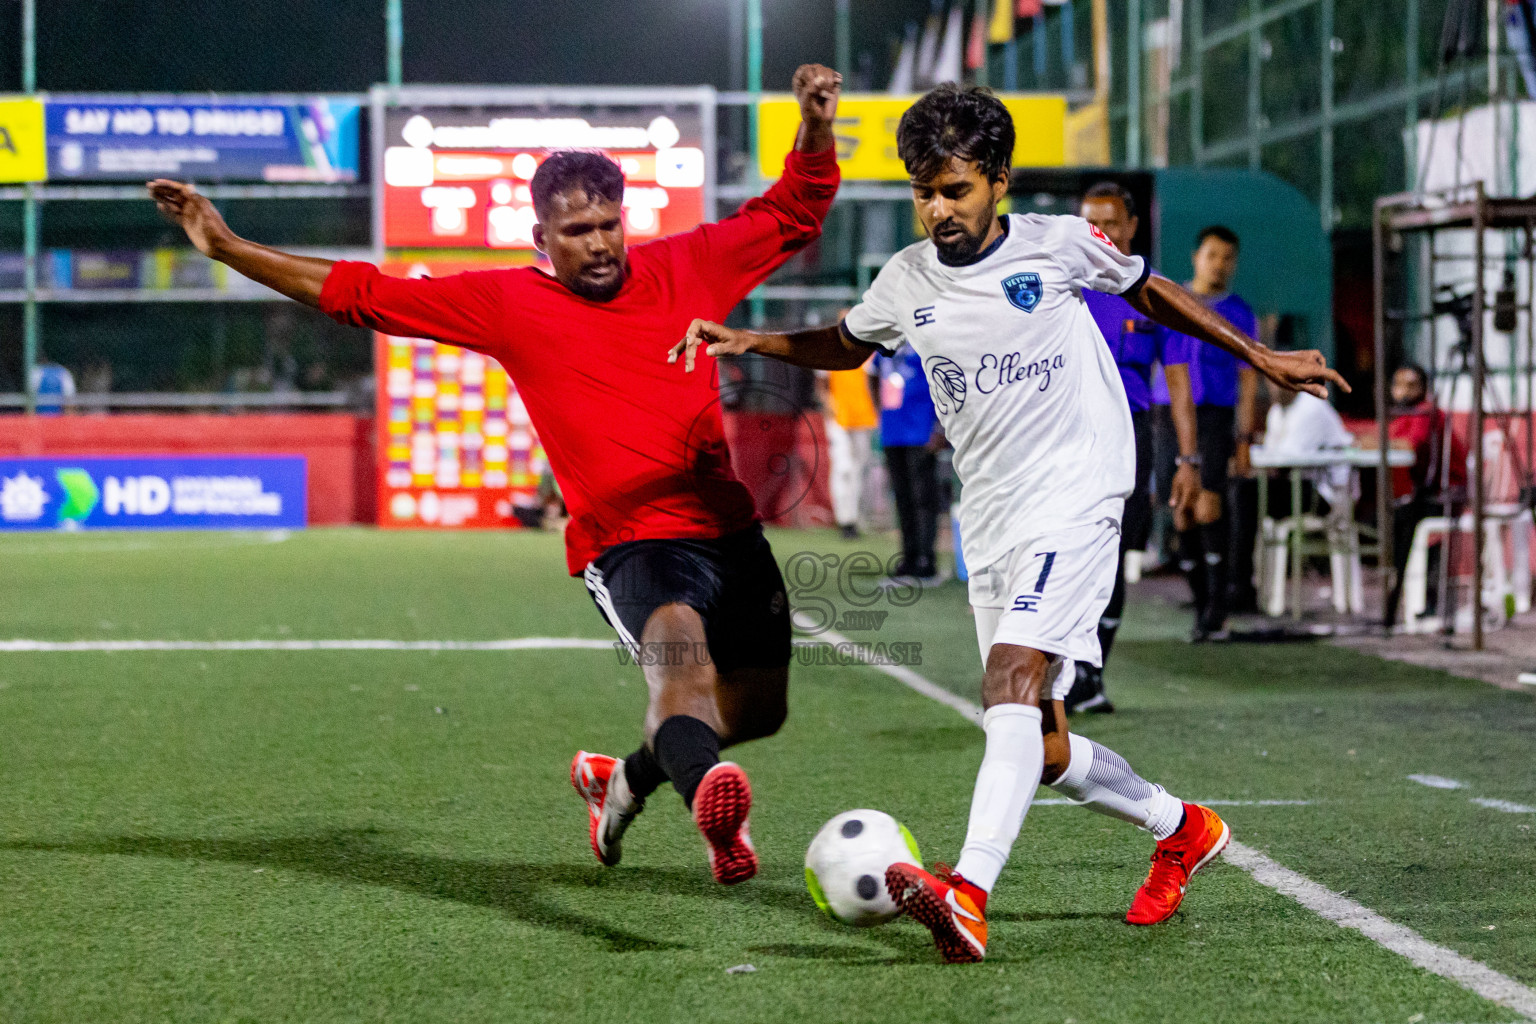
point(351, 836)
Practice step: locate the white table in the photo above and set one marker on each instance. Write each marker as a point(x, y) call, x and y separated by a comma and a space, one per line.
point(1298, 465)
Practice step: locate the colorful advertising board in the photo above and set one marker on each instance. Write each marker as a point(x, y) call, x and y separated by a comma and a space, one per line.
point(456, 448)
point(121, 138)
point(149, 270)
point(154, 493)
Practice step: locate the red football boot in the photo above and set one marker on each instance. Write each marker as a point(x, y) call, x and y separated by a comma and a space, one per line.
point(1174, 863)
point(720, 808)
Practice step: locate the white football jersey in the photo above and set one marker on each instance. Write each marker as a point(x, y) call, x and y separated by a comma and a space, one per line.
point(1022, 380)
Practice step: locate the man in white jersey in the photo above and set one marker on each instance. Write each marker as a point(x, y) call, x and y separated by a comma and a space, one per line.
point(1029, 395)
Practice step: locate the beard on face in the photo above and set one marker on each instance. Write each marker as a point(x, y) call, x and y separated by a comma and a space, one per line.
point(600, 291)
point(964, 247)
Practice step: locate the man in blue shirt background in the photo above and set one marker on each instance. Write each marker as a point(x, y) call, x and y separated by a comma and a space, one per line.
point(910, 438)
point(1137, 343)
point(1224, 390)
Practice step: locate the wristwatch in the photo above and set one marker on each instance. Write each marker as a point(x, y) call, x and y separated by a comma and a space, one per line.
point(1189, 460)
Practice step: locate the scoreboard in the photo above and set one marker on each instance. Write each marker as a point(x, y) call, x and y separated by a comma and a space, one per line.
point(455, 446)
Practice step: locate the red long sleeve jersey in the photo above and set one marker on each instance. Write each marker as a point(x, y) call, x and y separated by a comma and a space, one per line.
point(637, 445)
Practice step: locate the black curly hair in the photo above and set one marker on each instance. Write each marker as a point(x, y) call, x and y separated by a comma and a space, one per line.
point(576, 170)
point(952, 121)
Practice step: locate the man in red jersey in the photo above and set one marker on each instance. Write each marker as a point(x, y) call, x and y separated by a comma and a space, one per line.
point(663, 533)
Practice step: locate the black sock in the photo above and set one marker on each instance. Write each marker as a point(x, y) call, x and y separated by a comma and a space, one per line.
point(1215, 539)
point(1215, 614)
point(642, 773)
point(686, 749)
point(1107, 639)
point(1109, 622)
point(1192, 564)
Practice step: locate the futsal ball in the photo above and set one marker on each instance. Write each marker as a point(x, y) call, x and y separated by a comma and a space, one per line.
point(845, 866)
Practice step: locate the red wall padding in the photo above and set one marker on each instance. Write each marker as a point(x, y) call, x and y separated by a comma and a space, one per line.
point(782, 459)
point(339, 447)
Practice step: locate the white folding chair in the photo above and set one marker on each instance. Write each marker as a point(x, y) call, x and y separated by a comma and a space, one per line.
point(1506, 572)
point(1337, 533)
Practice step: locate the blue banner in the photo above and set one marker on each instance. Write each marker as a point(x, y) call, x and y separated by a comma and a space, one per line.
point(118, 138)
point(154, 493)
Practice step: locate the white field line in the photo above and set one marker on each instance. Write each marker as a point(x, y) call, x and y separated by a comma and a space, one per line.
point(909, 678)
point(1437, 782)
point(1507, 806)
point(1440, 782)
point(532, 643)
point(1063, 802)
point(1476, 977)
point(111, 542)
point(535, 643)
point(912, 679)
point(1346, 913)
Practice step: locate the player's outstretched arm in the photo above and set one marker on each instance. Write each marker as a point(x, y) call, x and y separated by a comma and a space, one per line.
point(298, 277)
point(737, 254)
point(821, 348)
point(1172, 306)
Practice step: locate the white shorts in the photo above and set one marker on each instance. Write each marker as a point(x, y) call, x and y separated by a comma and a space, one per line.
point(1048, 594)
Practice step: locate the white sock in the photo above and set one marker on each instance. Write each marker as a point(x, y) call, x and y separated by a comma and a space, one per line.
point(1010, 771)
point(1099, 779)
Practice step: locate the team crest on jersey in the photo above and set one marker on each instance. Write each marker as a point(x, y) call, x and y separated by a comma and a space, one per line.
point(948, 384)
point(1024, 291)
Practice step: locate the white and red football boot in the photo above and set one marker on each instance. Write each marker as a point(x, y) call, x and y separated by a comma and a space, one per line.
point(720, 808)
point(600, 781)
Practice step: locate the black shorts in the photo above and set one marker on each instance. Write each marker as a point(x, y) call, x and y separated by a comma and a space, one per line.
point(733, 583)
point(1136, 523)
point(1215, 427)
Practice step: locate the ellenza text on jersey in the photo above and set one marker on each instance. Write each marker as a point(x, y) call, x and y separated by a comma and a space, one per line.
point(995, 373)
point(949, 382)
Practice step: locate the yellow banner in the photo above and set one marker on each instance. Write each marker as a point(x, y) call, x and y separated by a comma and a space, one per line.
point(1087, 132)
point(866, 133)
point(23, 154)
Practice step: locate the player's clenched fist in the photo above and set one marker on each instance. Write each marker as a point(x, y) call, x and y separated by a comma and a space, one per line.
point(816, 89)
point(717, 340)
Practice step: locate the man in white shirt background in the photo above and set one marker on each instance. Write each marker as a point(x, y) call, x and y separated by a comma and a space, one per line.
point(1300, 424)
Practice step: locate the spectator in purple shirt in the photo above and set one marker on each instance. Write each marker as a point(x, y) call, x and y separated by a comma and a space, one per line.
point(1137, 343)
point(1225, 390)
